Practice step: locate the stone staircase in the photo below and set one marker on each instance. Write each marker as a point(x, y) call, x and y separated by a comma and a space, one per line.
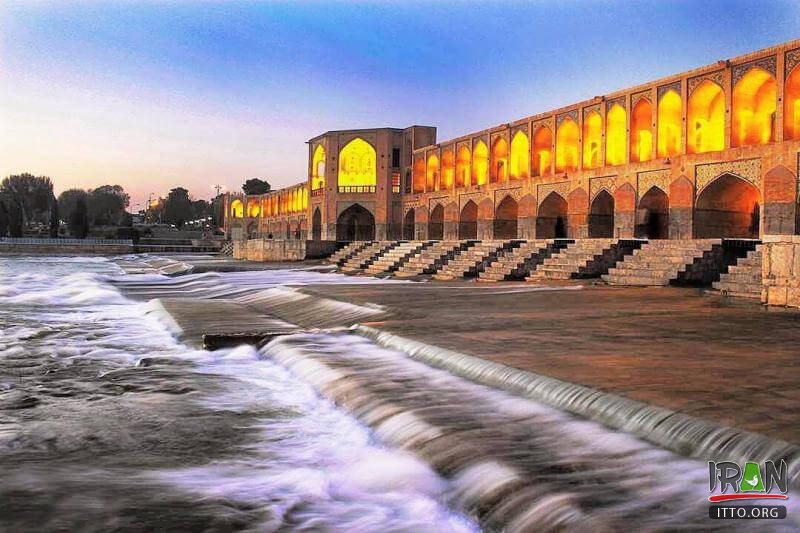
point(367, 256)
point(431, 259)
point(659, 263)
point(343, 254)
point(396, 257)
point(472, 261)
point(517, 264)
point(584, 258)
point(744, 279)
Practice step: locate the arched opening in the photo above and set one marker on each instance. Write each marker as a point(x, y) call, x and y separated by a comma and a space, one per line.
point(480, 163)
point(542, 151)
point(436, 223)
point(432, 173)
point(616, 147)
point(727, 208)
point(642, 131)
point(419, 175)
point(408, 180)
point(567, 146)
point(551, 219)
point(791, 106)
point(318, 168)
point(754, 105)
point(298, 231)
point(706, 119)
point(463, 157)
point(499, 169)
point(592, 131)
point(601, 216)
point(316, 225)
point(505, 219)
point(669, 124)
point(408, 225)
point(468, 221)
point(357, 166)
point(355, 224)
point(652, 216)
point(265, 204)
point(237, 209)
point(253, 208)
point(520, 156)
point(448, 170)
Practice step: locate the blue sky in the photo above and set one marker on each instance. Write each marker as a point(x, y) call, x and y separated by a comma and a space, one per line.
point(154, 95)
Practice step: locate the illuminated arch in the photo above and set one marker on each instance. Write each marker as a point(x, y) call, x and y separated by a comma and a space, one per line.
point(542, 154)
point(418, 179)
point(669, 124)
point(754, 106)
point(432, 173)
point(237, 209)
point(253, 208)
point(480, 163)
point(592, 131)
point(520, 156)
point(305, 198)
point(499, 168)
point(705, 129)
point(275, 206)
point(265, 206)
point(567, 146)
point(642, 131)
point(791, 106)
point(318, 168)
point(463, 157)
point(357, 162)
point(616, 147)
point(448, 170)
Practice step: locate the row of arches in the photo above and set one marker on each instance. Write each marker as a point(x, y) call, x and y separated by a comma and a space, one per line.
point(610, 140)
point(285, 202)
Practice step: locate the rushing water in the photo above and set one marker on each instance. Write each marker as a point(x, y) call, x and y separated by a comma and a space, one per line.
point(108, 423)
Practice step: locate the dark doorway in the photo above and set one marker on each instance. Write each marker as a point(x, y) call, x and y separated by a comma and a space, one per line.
point(408, 225)
point(601, 216)
point(653, 215)
point(551, 218)
point(505, 219)
point(355, 224)
point(727, 208)
point(436, 224)
point(316, 225)
point(468, 221)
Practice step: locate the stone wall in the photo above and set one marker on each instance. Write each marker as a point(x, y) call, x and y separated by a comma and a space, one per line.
point(781, 270)
point(282, 250)
point(66, 249)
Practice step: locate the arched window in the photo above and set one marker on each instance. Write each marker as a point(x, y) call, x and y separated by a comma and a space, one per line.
point(520, 155)
point(642, 131)
point(592, 130)
point(432, 174)
point(567, 146)
point(318, 168)
point(754, 105)
point(542, 154)
point(669, 124)
point(499, 169)
point(357, 165)
point(448, 170)
point(480, 163)
point(705, 129)
point(463, 167)
point(419, 175)
point(237, 209)
point(616, 146)
point(791, 106)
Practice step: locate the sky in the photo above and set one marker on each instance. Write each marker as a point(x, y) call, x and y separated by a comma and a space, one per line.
point(154, 95)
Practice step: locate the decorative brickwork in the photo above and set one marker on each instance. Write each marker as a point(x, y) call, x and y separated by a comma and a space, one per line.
point(674, 86)
point(717, 77)
point(591, 108)
point(499, 194)
point(547, 122)
point(635, 97)
point(792, 59)
point(652, 178)
point(544, 189)
point(618, 100)
point(521, 127)
point(747, 169)
point(598, 184)
point(433, 202)
point(573, 114)
point(765, 63)
point(466, 197)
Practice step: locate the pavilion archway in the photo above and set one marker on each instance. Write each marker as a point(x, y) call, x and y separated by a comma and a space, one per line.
point(652, 215)
point(468, 221)
point(506, 219)
point(316, 225)
point(355, 223)
point(409, 222)
point(551, 218)
point(436, 223)
point(357, 167)
point(601, 216)
point(729, 207)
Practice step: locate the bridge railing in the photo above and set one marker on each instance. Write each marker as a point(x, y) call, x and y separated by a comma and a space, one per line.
point(70, 242)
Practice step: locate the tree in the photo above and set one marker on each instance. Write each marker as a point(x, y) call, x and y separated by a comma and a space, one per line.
point(177, 207)
point(107, 205)
point(4, 220)
point(256, 186)
point(68, 199)
point(55, 222)
point(15, 220)
point(79, 220)
point(30, 194)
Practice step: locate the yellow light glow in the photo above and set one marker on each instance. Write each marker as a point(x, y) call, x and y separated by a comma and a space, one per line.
point(237, 209)
point(305, 198)
point(520, 155)
point(480, 163)
point(253, 208)
point(669, 124)
point(318, 168)
point(592, 130)
point(463, 167)
point(791, 110)
point(567, 146)
point(642, 131)
point(754, 105)
point(357, 164)
point(419, 175)
point(706, 119)
point(432, 173)
point(616, 147)
point(499, 168)
point(542, 151)
point(448, 170)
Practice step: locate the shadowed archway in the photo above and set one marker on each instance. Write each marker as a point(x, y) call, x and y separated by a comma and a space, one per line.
point(436, 223)
point(729, 207)
point(551, 219)
point(505, 219)
point(468, 221)
point(408, 225)
point(355, 224)
point(601, 216)
point(316, 225)
point(652, 216)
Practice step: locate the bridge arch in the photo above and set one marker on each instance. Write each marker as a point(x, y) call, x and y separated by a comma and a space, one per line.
point(419, 175)
point(567, 146)
point(652, 215)
point(669, 124)
point(463, 160)
point(237, 209)
point(436, 223)
point(409, 225)
point(499, 168)
point(616, 126)
point(355, 223)
point(448, 170)
point(754, 104)
point(728, 207)
point(592, 134)
point(601, 216)
point(480, 163)
point(791, 106)
point(316, 225)
point(505, 219)
point(705, 121)
point(542, 154)
point(253, 208)
point(551, 218)
point(642, 131)
point(432, 173)
point(468, 221)
point(519, 157)
point(318, 168)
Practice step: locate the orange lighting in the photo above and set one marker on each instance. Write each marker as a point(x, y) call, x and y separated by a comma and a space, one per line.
point(480, 163)
point(357, 164)
point(706, 119)
point(499, 170)
point(432, 174)
point(520, 155)
point(791, 110)
point(448, 169)
point(592, 126)
point(641, 131)
point(419, 175)
point(754, 105)
point(237, 209)
point(318, 168)
point(567, 146)
point(616, 147)
point(669, 124)
point(463, 167)
point(253, 208)
point(542, 151)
